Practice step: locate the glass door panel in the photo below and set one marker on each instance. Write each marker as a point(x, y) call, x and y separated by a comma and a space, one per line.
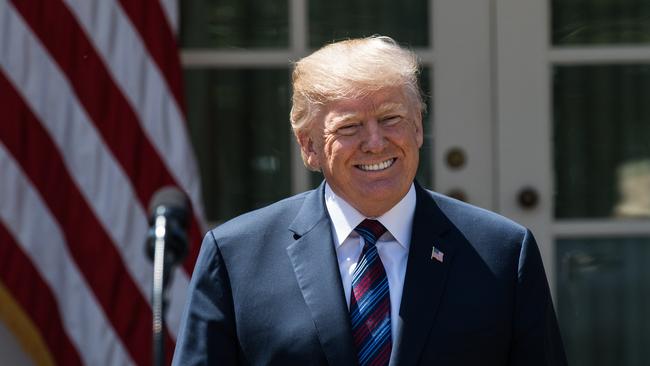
point(234, 23)
point(407, 22)
point(601, 125)
point(603, 298)
point(241, 136)
point(600, 22)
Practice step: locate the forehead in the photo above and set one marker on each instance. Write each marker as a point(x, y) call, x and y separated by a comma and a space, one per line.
point(380, 102)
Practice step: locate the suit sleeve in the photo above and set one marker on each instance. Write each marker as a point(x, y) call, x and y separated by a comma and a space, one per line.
point(536, 336)
point(207, 334)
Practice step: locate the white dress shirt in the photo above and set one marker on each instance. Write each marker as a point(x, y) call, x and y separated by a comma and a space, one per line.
point(393, 246)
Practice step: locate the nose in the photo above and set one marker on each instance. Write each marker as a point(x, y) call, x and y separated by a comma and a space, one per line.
point(373, 137)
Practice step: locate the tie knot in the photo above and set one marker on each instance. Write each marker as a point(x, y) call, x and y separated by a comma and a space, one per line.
point(371, 230)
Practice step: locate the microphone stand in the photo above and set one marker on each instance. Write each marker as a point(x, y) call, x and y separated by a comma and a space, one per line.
point(158, 296)
point(166, 245)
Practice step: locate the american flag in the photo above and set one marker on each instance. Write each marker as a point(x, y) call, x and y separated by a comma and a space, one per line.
point(91, 125)
point(437, 254)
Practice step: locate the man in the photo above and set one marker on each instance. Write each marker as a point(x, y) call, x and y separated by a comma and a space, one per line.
point(310, 280)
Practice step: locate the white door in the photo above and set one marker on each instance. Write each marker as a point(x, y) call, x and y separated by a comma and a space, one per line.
point(569, 143)
point(542, 113)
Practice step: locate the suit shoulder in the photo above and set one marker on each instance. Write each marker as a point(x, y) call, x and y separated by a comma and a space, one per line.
point(497, 240)
point(278, 214)
point(466, 216)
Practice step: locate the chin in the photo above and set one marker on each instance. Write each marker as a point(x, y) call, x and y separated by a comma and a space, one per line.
point(386, 186)
point(387, 193)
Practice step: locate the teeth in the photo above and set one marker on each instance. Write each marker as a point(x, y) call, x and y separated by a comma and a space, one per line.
point(377, 166)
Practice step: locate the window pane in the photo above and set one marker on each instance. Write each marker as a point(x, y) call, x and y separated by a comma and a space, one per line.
point(602, 141)
point(239, 124)
point(406, 21)
point(234, 23)
point(600, 21)
point(603, 297)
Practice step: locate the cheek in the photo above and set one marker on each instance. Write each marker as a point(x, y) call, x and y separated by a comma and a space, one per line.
point(337, 149)
point(414, 137)
point(405, 138)
point(412, 133)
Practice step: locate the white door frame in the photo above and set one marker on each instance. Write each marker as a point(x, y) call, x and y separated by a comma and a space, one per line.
point(524, 118)
point(491, 99)
point(462, 94)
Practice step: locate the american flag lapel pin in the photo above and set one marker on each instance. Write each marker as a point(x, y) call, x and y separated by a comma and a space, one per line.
point(436, 254)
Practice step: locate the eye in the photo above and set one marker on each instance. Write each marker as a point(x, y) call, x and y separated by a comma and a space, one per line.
point(391, 119)
point(348, 130)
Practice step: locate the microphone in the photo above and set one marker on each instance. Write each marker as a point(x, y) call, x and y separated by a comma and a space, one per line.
point(169, 212)
point(166, 246)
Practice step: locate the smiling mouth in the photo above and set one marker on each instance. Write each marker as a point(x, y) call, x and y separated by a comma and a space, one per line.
point(377, 166)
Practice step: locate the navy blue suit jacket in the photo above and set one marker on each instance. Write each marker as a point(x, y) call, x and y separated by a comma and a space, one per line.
point(266, 290)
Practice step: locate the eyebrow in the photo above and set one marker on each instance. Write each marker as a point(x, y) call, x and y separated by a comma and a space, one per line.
point(382, 109)
point(345, 118)
point(391, 107)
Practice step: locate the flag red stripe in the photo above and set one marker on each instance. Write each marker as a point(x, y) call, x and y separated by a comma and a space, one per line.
point(149, 19)
point(195, 239)
point(111, 113)
point(114, 118)
point(36, 299)
point(90, 245)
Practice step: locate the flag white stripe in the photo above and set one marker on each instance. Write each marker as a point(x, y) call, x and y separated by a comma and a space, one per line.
point(100, 179)
point(143, 85)
point(30, 222)
point(170, 8)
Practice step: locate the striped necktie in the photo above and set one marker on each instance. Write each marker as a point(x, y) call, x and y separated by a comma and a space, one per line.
point(370, 300)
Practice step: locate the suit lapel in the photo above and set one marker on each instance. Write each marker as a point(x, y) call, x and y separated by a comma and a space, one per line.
point(425, 278)
point(317, 272)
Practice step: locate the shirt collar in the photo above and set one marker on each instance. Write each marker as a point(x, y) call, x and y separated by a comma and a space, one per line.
point(398, 220)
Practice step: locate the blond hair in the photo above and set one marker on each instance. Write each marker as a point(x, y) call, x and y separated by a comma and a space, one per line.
point(351, 69)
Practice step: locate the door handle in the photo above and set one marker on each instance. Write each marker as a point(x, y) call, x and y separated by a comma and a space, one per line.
point(528, 198)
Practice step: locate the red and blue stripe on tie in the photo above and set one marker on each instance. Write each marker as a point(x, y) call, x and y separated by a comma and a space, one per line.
point(370, 300)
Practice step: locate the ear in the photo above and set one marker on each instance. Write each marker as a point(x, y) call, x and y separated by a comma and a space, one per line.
point(308, 151)
point(418, 130)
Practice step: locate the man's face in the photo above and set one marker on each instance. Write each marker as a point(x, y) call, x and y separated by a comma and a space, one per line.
point(367, 148)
